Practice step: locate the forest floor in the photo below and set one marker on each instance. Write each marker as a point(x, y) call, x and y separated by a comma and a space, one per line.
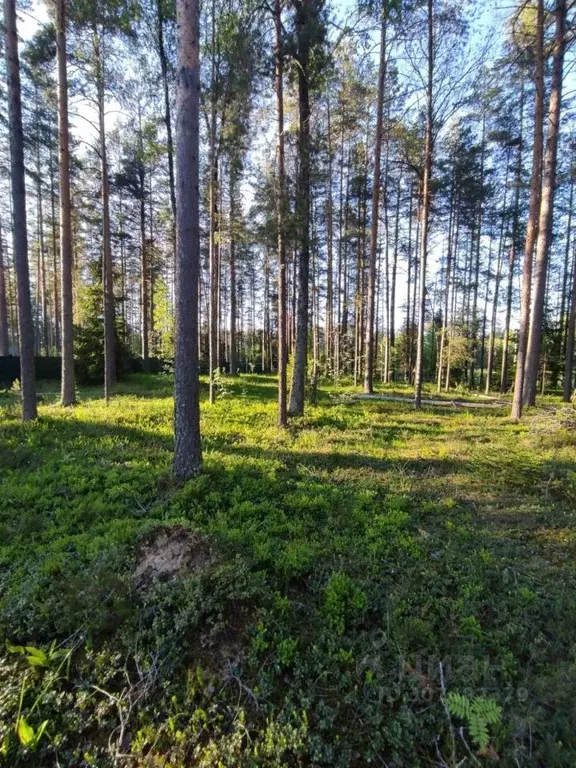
point(373, 586)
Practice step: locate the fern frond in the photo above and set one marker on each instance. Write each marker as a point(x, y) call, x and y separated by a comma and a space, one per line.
point(458, 705)
point(478, 728)
point(488, 709)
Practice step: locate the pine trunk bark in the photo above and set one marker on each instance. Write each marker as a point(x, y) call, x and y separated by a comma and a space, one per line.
point(68, 395)
point(570, 328)
point(187, 450)
point(4, 339)
point(425, 211)
point(296, 406)
point(144, 266)
point(55, 286)
point(474, 345)
point(565, 296)
point(281, 217)
point(532, 225)
point(167, 111)
point(407, 361)
point(369, 373)
point(233, 301)
point(546, 209)
point(497, 280)
point(20, 236)
point(213, 351)
point(392, 320)
point(446, 291)
point(512, 253)
point(107, 266)
point(329, 340)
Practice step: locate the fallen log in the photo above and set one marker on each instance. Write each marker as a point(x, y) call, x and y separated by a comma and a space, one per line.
point(442, 403)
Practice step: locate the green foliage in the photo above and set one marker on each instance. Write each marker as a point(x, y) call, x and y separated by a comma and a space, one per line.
point(89, 340)
point(221, 383)
point(478, 713)
point(342, 601)
point(350, 556)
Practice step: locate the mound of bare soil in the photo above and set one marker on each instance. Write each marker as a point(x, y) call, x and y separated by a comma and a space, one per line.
point(171, 551)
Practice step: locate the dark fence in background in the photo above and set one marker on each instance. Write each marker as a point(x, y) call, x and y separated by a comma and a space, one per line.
point(155, 365)
point(48, 368)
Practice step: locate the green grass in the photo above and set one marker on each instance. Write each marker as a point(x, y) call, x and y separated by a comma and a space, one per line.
point(365, 561)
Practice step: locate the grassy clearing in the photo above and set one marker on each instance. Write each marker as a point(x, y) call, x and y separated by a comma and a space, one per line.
point(365, 562)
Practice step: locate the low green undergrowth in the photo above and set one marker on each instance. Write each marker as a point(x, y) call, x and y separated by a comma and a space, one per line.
point(383, 586)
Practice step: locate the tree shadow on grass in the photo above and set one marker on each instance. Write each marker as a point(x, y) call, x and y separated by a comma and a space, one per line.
point(108, 441)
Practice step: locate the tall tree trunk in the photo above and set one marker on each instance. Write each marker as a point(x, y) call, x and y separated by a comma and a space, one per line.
point(144, 266)
point(4, 340)
point(67, 396)
point(344, 354)
point(369, 373)
point(167, 111)
point(187, 450)
point(492, 340)
point(532, 225)
point(409, 260)
point(512, 252)
point(293, 297)
point(107, 266)
point(546, 210)
point(506, 339)
point(152, 272)
point(42, 340)
point(452, 312)
point(329, 341)
point(144, 289)
point(281, 218)
point(392, 324)
point(233, 307)
point(20, 237)
point(485, 313)
point(266, 356)
point(474, 345)
point(446, 289)
point(315, 316)
point(12, 298)
point(55, 286)
point(565, 293)
point(213, 351)
point(497, 279)
point(359, 297)
point(219, 279)
point(570, 328)
point(412, 337)
point(425, 210)
point(338, 339)
point(386, 264)
point(296, 406)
